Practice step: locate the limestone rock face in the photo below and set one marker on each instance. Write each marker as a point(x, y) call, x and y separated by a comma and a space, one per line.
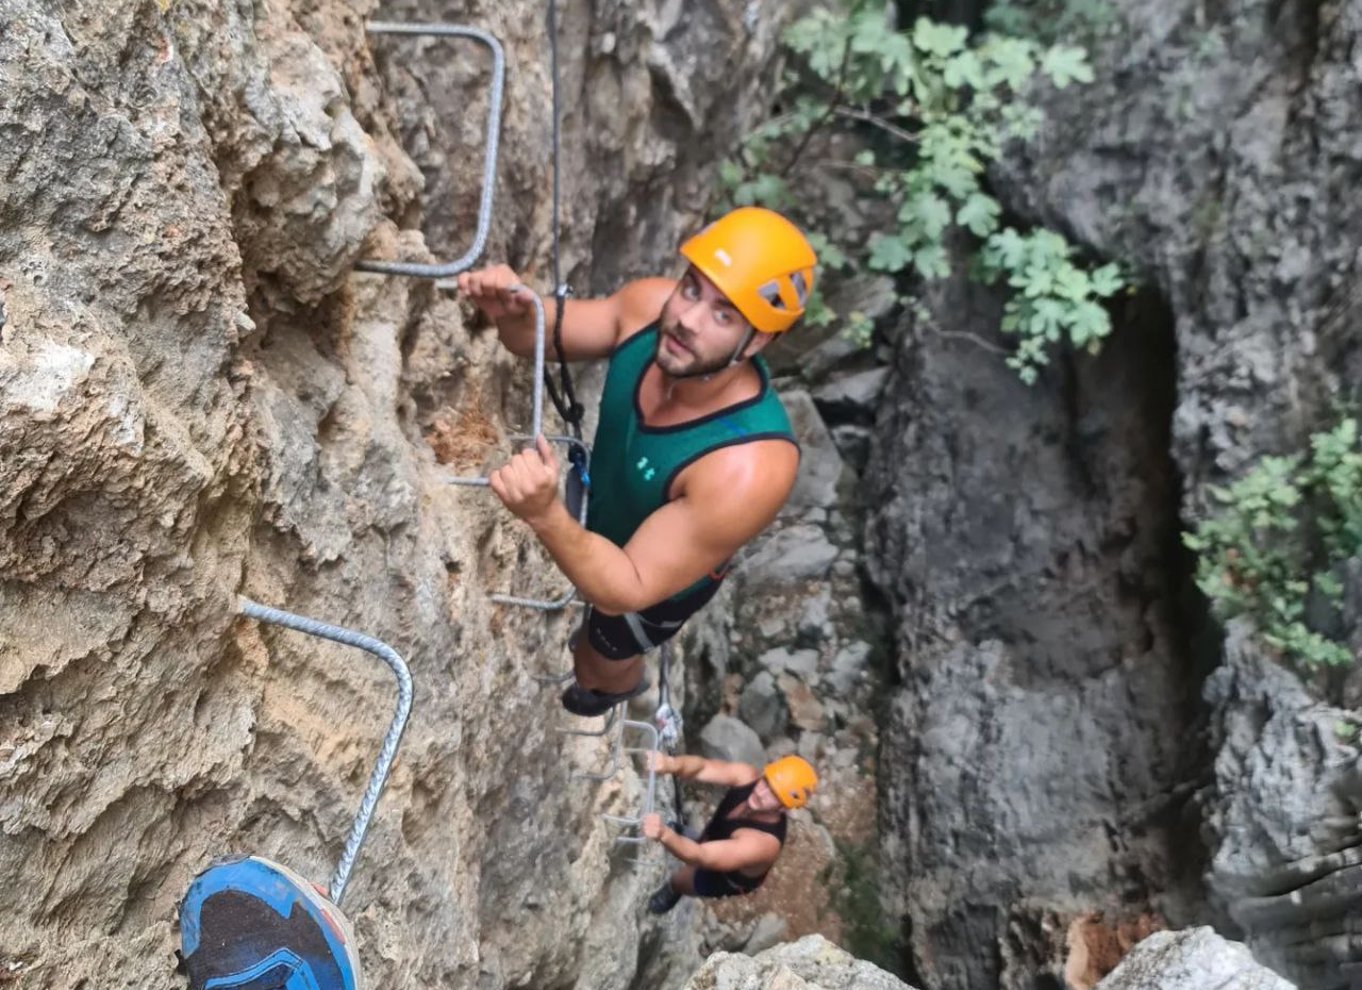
point(1232, 143)
point(1035, 754)
point(1239, 209)
point(1283, 828)
point(199, 398)
point(1191, 960)
point(812, 963)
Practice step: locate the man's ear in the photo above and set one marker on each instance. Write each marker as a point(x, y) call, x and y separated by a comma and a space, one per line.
point(754, 346)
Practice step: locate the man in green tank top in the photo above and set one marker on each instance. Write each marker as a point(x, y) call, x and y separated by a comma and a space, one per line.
point(693, 455)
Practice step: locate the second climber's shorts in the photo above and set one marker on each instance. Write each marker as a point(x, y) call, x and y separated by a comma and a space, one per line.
point(621, 637)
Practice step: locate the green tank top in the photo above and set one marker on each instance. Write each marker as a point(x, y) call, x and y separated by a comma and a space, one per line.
point(633, 465)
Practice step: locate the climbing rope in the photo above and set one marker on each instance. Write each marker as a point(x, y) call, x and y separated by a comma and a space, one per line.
point(378, 778)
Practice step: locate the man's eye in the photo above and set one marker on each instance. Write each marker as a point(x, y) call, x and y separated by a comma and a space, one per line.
point(722, 316)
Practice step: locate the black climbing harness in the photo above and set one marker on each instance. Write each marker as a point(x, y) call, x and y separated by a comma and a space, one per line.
point(563, 395)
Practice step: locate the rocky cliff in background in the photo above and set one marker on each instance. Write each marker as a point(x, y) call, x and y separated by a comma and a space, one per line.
point(1192, 960)
point(812, 963)
point(1039, 744)
point(1053, 733)
point(200, 398)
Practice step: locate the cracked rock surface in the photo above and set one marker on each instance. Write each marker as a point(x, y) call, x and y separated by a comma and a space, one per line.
point(199, 398)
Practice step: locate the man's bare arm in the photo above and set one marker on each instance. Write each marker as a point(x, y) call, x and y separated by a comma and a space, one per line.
point(747, 848)
point(592, 328)
point(704, 771)
point(727, 498)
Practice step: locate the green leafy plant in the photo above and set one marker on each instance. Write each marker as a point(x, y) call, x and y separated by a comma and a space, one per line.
point(943, 105)
point(1278, 537)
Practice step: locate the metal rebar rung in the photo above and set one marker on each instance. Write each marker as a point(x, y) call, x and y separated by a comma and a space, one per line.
point(489, 166)
point(616, 744)
point(650, 788)
point(609, 724)
point(559, 678)
point(537, 408)
point(378, 778)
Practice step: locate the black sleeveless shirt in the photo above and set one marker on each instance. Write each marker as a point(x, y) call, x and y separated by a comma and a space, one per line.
point(722, 827)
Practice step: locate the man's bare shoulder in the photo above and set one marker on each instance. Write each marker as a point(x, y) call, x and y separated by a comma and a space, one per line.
point(640, 303)
point(755, 476)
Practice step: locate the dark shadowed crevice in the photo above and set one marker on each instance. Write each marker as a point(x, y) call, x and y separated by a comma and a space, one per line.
point(1143, 351)
point(1196, 634)
point(1051, 644)
point(968, 13)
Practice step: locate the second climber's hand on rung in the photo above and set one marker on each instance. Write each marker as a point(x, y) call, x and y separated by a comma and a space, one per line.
point(528, 483)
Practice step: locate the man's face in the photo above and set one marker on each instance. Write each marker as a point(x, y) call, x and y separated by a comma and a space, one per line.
point(763, 798)
point(700, 329)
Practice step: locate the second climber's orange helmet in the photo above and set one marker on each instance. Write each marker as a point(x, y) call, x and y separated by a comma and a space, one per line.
point(760, 262)
point(792, 779)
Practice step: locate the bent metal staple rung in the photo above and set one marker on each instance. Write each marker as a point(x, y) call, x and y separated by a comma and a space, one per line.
point(489, 165)
point(391, 740)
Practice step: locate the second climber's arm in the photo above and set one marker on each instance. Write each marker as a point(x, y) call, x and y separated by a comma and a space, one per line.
point(748, 848)
point(706, 771)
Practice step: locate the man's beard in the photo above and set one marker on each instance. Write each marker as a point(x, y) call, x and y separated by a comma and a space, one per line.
point(699, 369)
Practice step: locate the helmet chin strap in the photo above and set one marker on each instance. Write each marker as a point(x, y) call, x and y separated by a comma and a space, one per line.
point(742, 346)
point(737, 357)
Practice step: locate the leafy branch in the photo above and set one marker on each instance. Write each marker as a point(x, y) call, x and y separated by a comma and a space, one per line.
point(1279, 536)
point(949, 104)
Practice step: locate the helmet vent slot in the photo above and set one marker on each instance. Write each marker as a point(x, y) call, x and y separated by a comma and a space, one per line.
point(771, 293)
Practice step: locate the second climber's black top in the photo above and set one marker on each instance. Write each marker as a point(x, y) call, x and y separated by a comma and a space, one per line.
point(722, 827)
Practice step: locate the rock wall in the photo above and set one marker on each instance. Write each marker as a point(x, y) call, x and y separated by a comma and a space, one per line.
point(1217, 151)
point(1027, 537)
point(199, 398)
point(812, 962)
point(1230, 138)
point(1191, 959)
point(1282, 826)
point(1040, 738)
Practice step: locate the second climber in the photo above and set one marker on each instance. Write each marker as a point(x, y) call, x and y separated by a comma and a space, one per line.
point(746, 833)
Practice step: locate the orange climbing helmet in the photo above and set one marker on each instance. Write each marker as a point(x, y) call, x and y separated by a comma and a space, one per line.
point(792, 779)
point(760, 262)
